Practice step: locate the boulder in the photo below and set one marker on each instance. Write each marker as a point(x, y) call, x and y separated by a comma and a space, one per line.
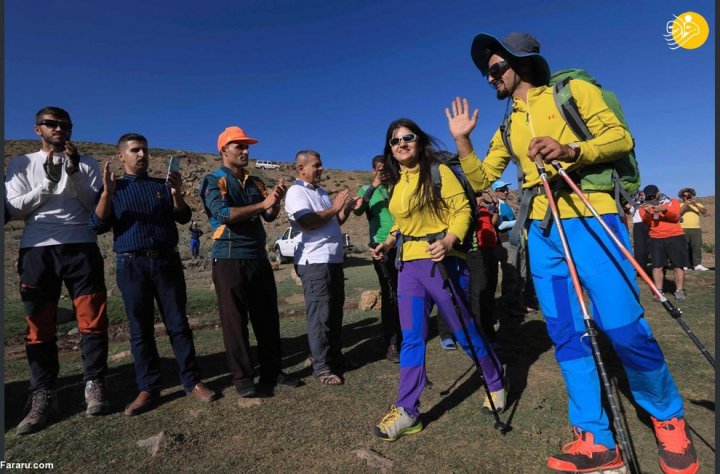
point(369, 299)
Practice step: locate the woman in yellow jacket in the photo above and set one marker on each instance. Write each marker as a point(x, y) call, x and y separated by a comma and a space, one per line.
point(427, 226)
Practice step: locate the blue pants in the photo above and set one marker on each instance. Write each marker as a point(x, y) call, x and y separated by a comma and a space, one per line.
point(609, 280)
point(417, 291)
point(141, 280)
point(194, 247)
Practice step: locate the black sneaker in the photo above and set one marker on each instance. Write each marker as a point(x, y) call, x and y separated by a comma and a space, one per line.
point(583, 455)
point(43, 407)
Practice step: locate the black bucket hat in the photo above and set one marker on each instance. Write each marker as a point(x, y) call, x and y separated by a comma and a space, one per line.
point(517, 45)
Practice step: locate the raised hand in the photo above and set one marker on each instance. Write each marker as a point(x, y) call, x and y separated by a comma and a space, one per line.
point(53, 169)
point(108, 178)
point(460, 121)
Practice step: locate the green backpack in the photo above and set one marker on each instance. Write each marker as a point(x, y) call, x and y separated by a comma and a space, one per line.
point(620, 176)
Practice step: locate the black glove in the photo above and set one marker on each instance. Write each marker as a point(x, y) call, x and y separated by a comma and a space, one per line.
point(53, 171)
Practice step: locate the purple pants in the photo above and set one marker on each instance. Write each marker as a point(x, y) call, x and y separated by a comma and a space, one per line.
point(417, 291)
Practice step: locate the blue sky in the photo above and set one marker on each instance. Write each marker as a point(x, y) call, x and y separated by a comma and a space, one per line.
point(331, 75)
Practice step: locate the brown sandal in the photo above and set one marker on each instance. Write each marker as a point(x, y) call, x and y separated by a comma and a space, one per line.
point(326, 377)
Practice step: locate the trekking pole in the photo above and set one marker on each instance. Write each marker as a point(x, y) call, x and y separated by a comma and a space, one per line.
point(499, 425)
point(590, 324)
point(673, 311)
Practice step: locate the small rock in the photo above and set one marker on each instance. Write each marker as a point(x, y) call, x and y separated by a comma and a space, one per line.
point(249, 402)
point(76, 348)
point(120, 355)
point(369, 299)
point(73, 331)
point(374, 459)
point(154, 443)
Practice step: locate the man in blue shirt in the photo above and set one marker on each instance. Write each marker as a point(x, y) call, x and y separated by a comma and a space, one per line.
point(142, 212)
point(234, 202)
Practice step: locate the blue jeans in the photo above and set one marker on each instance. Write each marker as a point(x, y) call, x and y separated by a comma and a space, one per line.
point(143, 280)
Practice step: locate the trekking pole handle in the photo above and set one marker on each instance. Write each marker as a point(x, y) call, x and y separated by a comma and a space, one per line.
point(440, 265)
point(540, 165)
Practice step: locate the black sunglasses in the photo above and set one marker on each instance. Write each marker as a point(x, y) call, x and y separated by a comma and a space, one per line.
point(410, 137)
point(497, 70)
point(65, 125)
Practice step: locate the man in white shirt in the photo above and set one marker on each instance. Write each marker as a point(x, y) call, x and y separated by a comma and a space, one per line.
point(54, 191)
point(318, 261)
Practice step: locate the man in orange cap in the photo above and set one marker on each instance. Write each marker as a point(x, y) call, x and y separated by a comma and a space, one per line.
point(245, 286)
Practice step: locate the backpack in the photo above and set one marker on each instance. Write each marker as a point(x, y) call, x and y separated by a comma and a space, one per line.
point(452, 161)
point(620, 177)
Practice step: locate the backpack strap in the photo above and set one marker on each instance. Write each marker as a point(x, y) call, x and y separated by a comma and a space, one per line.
point(436, 179)
point(569, 109)
point(400, 239)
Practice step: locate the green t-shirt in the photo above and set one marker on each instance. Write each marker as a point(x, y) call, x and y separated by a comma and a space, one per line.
point(379, 217)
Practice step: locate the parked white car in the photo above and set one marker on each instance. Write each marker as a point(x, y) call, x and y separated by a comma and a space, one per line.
point(266, 165)
point(286, 244)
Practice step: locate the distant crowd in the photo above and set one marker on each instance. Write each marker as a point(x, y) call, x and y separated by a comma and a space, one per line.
point(441, 232)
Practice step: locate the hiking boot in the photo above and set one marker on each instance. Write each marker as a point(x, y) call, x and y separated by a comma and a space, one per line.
point(583, 455)
point(680, 295)
point(397, 423)
point(676, 453)
point(700, 268)
point(393, 355)
point(448, 344)
point(95, 398)
point(43, 406)
point(498, 399)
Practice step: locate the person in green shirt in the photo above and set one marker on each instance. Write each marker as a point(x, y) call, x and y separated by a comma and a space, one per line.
point(374, 205)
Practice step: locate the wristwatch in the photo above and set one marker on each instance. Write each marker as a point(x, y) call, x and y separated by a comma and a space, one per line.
point(575, 147)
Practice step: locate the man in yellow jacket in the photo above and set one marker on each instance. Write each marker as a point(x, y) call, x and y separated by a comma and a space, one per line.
point(520, 74)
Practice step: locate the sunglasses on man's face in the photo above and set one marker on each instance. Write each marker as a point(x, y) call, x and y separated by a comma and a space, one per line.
point(497, 70)
point(53, 124)
point(687, 195)
point(410, 137)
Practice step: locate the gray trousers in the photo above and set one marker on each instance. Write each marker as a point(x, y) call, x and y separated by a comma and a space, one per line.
point(324, 290)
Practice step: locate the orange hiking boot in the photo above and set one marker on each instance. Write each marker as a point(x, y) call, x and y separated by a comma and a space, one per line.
point(676, 452)
point(583, 455)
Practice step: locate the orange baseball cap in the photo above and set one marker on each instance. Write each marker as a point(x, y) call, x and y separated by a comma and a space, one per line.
point(233, 134)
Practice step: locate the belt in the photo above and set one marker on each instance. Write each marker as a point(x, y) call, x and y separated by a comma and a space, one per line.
point(150, 253)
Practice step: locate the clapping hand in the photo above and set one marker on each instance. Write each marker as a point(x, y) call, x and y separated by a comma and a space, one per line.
point(53, 168)
point(72, 165)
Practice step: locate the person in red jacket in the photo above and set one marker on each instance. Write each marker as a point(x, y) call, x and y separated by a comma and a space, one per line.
point(667, 238)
